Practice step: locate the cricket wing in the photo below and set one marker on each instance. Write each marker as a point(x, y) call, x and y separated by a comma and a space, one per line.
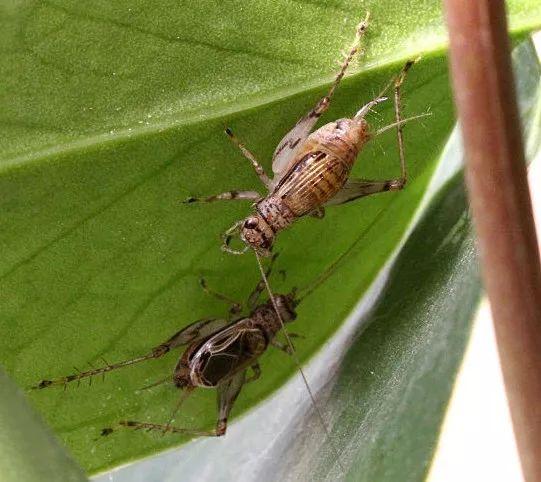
point(228, 351)
point(356, 188)
point(290, 144)
point(196, 331)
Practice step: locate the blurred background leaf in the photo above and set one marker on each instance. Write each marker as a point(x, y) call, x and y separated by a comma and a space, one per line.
point(29, 451)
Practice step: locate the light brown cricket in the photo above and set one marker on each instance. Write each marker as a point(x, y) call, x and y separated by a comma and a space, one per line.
point(311, 170)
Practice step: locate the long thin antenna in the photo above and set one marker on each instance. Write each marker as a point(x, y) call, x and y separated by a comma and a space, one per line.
point(401, 122)
point(298, 363)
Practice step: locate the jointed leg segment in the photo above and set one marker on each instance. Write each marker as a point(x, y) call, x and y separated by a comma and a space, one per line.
point(325, 102)
point(227, 196)
point(235, 308)
point(257, 167)
point(185, 336)
point(253, 299)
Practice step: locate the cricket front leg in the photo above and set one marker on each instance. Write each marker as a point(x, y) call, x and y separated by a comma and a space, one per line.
point(282, 346)
point(235, 306)
point(258, 168)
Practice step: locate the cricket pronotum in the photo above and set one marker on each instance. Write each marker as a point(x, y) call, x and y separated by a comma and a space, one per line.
point(311, 170)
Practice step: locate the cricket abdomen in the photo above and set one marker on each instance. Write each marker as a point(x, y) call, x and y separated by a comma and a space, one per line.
point(313, 181)
point(227, 352)
point(322, 166)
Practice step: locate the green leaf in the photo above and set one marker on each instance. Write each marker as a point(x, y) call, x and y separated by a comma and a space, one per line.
point(29, 452)
point(112, 113)
point(397, 356)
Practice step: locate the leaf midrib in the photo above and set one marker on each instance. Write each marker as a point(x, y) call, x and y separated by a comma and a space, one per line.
point(202, 115)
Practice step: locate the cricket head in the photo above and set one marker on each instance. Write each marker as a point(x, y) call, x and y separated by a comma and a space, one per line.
point(257, 234)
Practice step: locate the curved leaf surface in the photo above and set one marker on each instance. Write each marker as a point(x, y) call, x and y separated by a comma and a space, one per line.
point(109, 120)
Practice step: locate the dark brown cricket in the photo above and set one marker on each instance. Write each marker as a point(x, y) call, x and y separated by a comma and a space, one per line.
point(218, 354)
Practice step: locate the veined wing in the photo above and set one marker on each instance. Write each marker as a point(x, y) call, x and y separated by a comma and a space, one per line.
point(289, 145)
point(229, 350)
point(196, 331)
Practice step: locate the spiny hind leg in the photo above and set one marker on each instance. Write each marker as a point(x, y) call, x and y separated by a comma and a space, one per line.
point(149, 427)
point(325, 101)
point(227, 394)
point(344, 64)
point(300, 131)
point(399, 183)
point(226, 196)
point(255, 164)
point(235, 306)
point(357, 188)
point(399, 124)
point(80, 375)
point(187, 335)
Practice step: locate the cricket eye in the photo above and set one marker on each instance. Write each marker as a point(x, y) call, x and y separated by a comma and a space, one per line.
point(251, 223)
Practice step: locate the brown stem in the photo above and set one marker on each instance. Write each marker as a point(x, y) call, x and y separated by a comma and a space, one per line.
point(496, 177)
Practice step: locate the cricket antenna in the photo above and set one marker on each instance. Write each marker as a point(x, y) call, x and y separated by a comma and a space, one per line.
point(295, 357)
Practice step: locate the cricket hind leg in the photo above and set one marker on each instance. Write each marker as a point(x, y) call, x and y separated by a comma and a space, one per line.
point(361, 29)
point(227, 395)
point(187, 335)
point(356, 188)
point(401, 182)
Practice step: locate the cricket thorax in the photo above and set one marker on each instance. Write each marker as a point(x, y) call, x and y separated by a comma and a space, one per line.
point(266, 318)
